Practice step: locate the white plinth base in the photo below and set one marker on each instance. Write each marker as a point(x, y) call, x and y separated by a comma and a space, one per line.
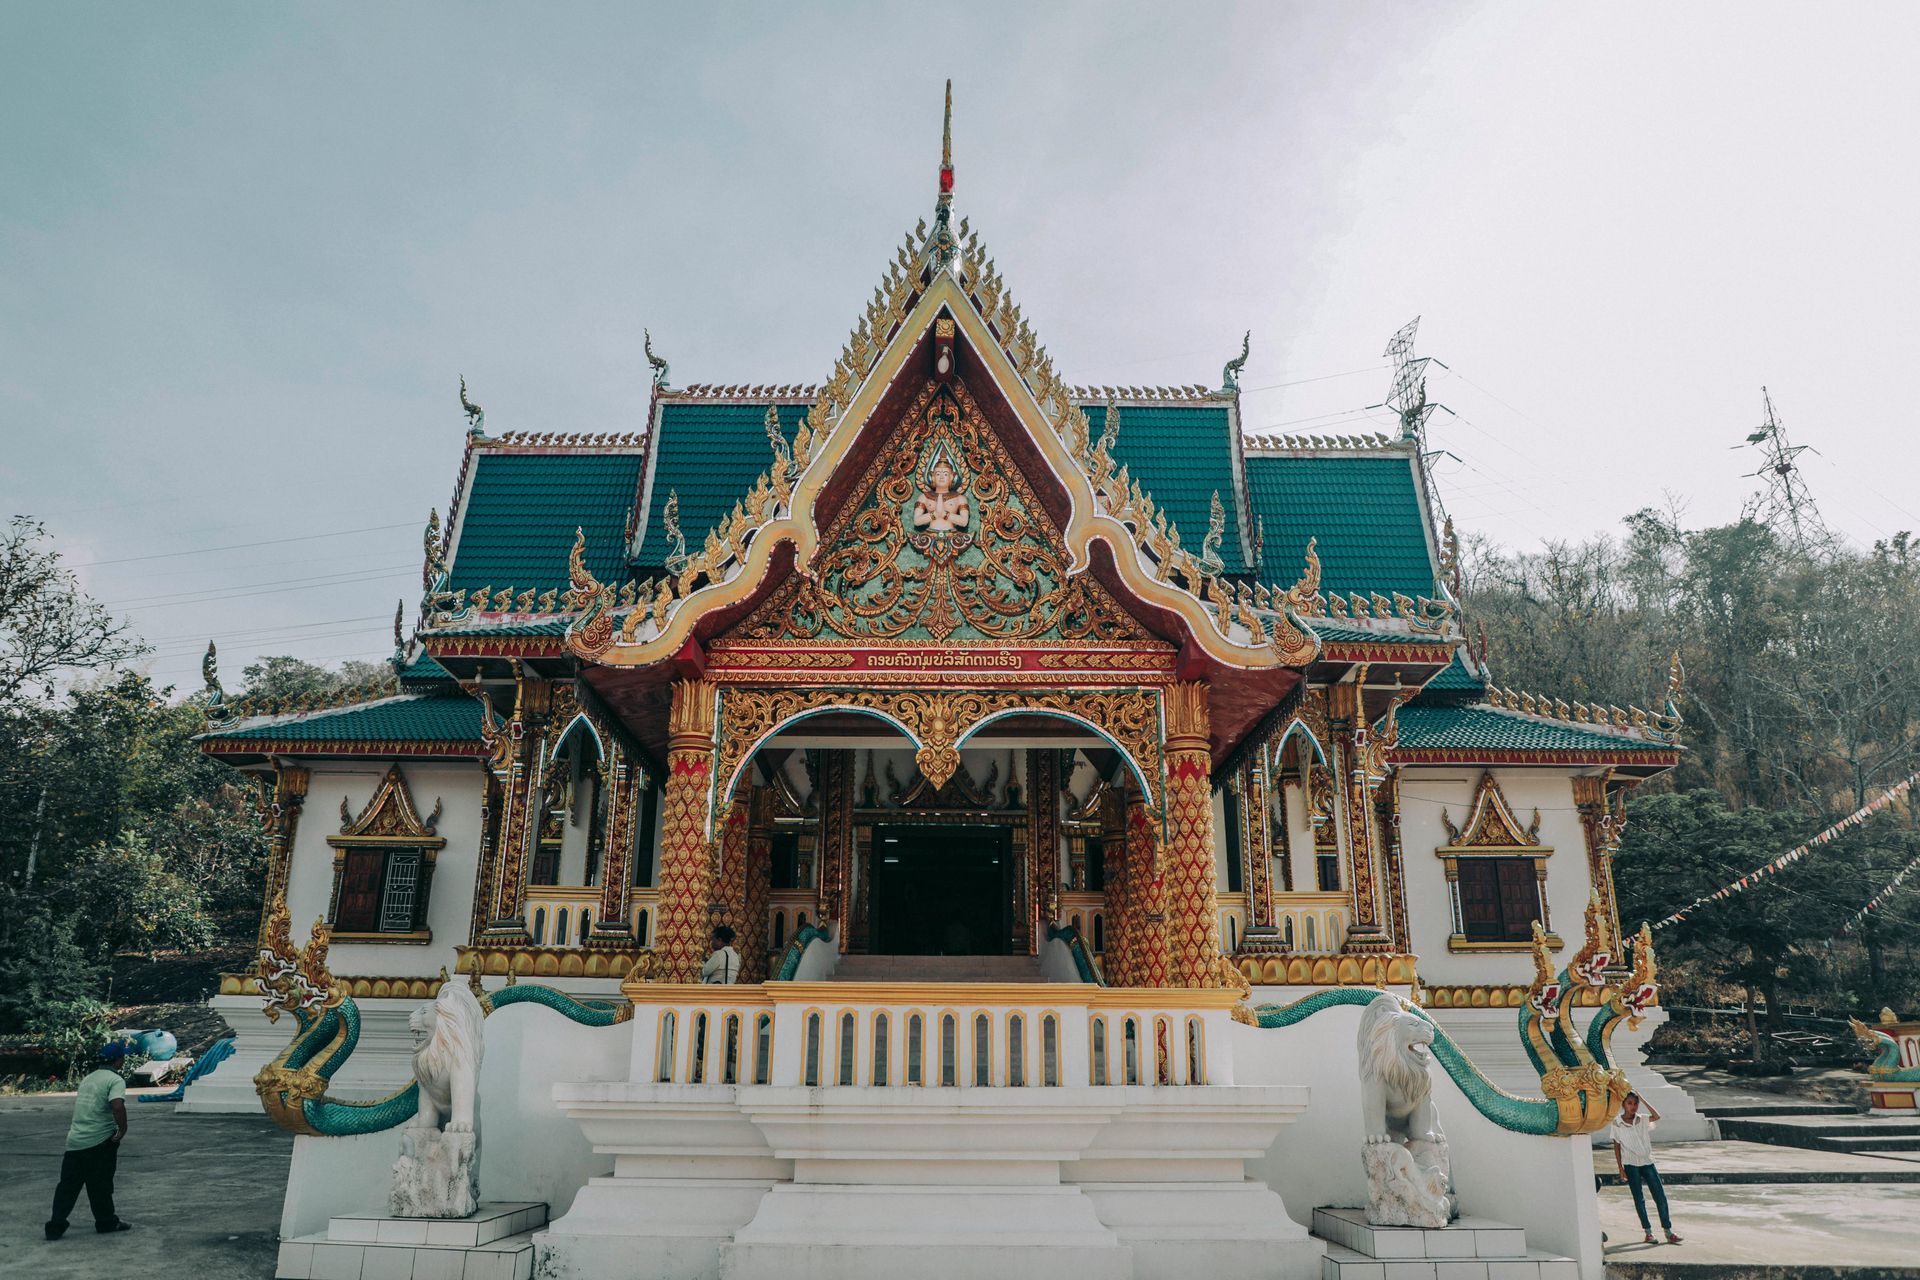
point(781, 1183)
point(496, 1243)
point(1478, 1247)
point(1220, 1230)
point(819, 1231)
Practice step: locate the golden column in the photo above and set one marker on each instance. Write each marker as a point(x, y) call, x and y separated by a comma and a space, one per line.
point(1601, 818)
point(1354, 758)
point(1116, 957)
point(686, 867)
point(518, 756)
point(625, 781)
point(1256, 834)
point(1193, 926)
point(280, 814)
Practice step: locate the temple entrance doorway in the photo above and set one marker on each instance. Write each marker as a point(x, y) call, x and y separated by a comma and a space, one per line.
point(942, 890)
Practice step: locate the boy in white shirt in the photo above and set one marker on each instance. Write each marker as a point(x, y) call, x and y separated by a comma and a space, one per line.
point(724, 964)
point(1633, 1157)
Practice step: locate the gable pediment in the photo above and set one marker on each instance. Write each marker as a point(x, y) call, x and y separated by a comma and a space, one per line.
point(942, 538)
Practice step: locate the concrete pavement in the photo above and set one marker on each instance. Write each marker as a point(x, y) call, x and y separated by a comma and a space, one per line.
point(203, 1193)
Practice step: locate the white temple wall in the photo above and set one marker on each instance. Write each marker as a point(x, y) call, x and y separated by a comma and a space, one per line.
point(457, 786)
point(1425, 794)
point(1544, 1185)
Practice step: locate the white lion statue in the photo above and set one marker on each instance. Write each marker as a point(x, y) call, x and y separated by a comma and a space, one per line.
point(1409, 1179)
point(438, 1173)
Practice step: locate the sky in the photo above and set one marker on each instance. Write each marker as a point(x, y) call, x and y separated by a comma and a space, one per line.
point(247, 251)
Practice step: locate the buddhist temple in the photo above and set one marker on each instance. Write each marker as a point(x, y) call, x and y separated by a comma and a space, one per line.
point(1033, 737)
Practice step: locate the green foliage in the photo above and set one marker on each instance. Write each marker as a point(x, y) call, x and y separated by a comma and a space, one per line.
point(1802, 702)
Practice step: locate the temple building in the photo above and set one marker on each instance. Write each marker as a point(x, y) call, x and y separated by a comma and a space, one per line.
point(942, 676)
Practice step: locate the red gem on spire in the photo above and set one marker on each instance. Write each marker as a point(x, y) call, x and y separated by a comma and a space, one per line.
point(946, 179)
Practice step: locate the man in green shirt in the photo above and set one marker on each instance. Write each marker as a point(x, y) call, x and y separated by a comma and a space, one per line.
point(93, 1145)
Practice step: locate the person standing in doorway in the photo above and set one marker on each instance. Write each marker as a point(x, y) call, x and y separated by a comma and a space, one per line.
point(724, 964)
point(1633, 1157)
point(93, 1146)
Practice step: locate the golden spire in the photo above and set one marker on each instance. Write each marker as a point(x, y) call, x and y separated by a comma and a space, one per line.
point(946, 139)
point(942, 247)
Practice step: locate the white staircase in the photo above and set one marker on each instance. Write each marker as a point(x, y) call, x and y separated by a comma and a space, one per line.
point(1465, 1249)
point(938, 969)
point(496, 1243)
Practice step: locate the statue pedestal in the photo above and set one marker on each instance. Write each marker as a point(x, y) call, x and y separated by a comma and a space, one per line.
point(437, 1174)
point(1465, 1246)
point(496, 1243)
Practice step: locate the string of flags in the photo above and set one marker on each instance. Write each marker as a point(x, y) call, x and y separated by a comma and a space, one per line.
point(1873, 903)
point(1799, 851)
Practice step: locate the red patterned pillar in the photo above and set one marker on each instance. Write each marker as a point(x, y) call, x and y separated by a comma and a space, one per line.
point(686, 867)
point(730, 886)
point(1116, 959)
point(752, 942)
point(1043, 840)
point(1146, 899)
point(1193, 927)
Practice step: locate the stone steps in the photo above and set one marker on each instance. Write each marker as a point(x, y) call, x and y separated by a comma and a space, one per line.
point(1857, 1133)
point(1870, 1144)
point(1465, 1249)
point(938, 969)
point(494, 1244)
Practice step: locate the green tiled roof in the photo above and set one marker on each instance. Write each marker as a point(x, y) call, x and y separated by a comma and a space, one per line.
point(406, 718)
point(424, 670)
point(1455, 679)
point(516, 524)
point(711, 455)
point(1429, 727)
point(1339, 634)
point(1365, 511)
point(1182, 455)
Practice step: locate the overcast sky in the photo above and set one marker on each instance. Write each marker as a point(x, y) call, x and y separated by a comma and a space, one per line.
point(246, 251)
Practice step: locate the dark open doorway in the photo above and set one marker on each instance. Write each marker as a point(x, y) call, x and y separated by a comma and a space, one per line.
point(942, 890)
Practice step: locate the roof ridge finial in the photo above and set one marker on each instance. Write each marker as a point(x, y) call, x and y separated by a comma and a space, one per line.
point(942, 247)
point(946, 148)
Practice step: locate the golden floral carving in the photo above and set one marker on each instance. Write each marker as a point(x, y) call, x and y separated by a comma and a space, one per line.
point(888, 569)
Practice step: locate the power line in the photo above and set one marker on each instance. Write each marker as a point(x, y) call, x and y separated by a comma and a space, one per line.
point(238, 546)
point(135, 602)
point(270, 591)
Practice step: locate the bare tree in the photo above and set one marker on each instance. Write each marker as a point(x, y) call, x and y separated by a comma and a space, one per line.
point(48, 625)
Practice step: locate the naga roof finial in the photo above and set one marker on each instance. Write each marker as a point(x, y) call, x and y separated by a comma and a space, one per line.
point(1216, 531)
point(659, 365)
point(676, 557)
point(476, 416)
point(1230, 376)
point(210, 672)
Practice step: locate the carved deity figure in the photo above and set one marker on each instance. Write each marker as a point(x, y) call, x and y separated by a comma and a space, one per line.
point(1409, 1174)
point(941, 510)
point(438, 1172)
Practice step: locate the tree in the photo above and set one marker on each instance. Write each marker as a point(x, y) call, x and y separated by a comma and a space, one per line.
point(48, 625)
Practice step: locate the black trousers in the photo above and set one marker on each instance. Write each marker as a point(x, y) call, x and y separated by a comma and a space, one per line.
point(1645, 1176)
point(92, 1168)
